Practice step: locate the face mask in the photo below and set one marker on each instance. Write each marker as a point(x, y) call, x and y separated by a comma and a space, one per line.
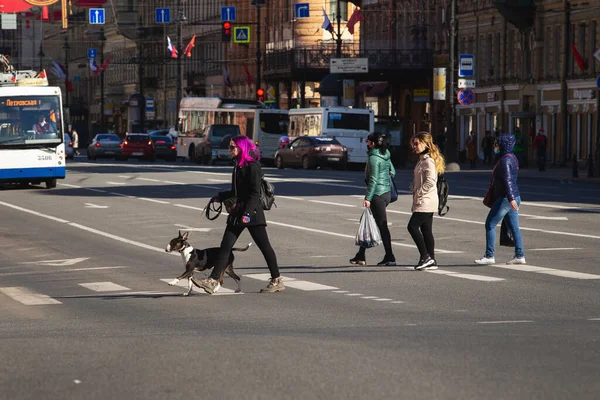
point(496, 150)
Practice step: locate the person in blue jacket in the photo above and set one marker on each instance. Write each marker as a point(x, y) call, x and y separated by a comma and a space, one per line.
point(507, 200)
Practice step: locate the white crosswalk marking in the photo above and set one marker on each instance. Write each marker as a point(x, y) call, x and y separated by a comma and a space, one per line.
point(104, 287)
point(27, 296)
point(549, 271)
point(184, 284)
point(472, 277)
point(294, 283)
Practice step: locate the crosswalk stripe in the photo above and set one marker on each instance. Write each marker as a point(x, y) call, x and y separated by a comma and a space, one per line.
point(294, 283)
point(104, 287)
point(548, 271)
point(28, 297)
point(482, 278)
point(184, 284)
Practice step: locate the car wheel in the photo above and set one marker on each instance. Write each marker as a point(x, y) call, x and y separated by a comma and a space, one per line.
point(50, 183)
point(279, 162)
point(305, 162)
point(89, 156)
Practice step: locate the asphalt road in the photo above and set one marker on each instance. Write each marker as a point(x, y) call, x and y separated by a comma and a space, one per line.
point(85, 313)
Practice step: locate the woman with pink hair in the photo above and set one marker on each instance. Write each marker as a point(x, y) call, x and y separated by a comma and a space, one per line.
point(245, 211)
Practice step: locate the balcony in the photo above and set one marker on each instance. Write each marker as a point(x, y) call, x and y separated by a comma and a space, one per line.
point(313, 63)
point(520, 13)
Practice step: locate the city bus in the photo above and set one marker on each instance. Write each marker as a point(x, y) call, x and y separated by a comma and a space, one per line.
point(263, 125)
point(350, 126)
point(32, 149)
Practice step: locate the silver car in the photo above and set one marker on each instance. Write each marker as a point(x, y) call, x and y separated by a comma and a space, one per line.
point(105, 145)
point(69, 151)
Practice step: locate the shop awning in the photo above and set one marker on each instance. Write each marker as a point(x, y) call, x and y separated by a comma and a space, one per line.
point(14, 6)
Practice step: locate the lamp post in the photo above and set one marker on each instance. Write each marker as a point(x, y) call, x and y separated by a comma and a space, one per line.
point(141, 32)
point(179, 21)
point(41, 55)
point(258, 4)
point(338, 41)
point(102, 39)
point(67, 47)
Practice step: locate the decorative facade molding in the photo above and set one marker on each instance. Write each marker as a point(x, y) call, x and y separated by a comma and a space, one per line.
point(585, 108)
point(575, 108)
point(550, 110)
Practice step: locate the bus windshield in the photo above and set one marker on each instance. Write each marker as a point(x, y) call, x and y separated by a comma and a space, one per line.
point(348, 121)
point(273, 123)
point(30, 120)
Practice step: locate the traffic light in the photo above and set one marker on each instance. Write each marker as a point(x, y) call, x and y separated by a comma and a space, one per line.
point(260, 94)
point(226, 32)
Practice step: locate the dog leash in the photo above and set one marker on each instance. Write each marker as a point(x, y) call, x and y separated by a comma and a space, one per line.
point(210, 206)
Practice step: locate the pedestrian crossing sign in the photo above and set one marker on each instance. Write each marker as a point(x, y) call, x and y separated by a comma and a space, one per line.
point(241, 34)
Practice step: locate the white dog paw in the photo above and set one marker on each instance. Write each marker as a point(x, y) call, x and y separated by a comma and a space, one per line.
point(186, 294)
point(173, 282)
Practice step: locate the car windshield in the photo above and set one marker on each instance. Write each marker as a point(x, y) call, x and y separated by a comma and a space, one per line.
point(225, 130)
point(30, 120)
point(109, 138)
point(348, 121)
point(137, 138)
point(162, 139)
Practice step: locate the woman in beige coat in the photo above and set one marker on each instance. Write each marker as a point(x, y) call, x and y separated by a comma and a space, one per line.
point(425, 198)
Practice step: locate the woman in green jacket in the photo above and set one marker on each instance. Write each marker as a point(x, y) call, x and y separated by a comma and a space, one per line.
point(378, 171)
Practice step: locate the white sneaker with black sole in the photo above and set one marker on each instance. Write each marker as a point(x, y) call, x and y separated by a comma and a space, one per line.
point(486, 261)
point(425, 263)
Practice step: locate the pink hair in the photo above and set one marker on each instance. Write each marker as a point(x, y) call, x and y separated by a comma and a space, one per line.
point(248, 150)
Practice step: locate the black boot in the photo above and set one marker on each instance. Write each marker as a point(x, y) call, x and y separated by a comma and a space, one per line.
point(359, 258)
point(388, 261)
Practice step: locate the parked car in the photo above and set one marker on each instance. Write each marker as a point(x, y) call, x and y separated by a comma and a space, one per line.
point(69, 151)
point(139, 145)
point(164, 147)
point(105, 145)
point(311, 152)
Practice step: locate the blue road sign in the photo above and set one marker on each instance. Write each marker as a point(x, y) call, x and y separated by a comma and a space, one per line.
point(92, 53)
point(228, 13)
point(97, 16)
point(466, 97)
point(301, 10)
point(163, 15)
point(466, 65)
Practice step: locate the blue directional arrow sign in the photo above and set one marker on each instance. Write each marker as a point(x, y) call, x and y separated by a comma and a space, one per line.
point(228, 13)
point(92, 53)
point(163, 15)
point(97, 16)
point(301, 10)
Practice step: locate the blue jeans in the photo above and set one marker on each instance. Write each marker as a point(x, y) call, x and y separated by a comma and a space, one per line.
point(500, 209)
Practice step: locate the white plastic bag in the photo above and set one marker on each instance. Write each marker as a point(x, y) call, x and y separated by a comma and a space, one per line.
point(368, 234)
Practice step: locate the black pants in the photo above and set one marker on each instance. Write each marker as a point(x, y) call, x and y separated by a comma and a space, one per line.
point(378, 206)
point(260, 237)
point(420, 228)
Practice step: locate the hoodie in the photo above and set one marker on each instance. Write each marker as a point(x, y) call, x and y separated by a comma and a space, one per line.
point(379, 169)
point(506, 170)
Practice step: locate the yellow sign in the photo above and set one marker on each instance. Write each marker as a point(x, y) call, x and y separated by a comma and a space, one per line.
point(41, 3)
point(421, 92)
point(439, 83)
point(241, 34)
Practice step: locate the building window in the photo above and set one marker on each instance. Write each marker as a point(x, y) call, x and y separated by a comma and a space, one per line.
point(333, 10)
point(497, 52)
point(509, 55)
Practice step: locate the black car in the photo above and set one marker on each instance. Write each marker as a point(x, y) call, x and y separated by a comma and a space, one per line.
point(164, 147)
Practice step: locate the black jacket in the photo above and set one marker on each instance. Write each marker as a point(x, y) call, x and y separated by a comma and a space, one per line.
point(245, 188)
point(506, 171)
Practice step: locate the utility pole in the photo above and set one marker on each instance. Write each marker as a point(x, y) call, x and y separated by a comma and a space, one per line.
point(338, 41)
point(67, 47)
point(451, 148)
point(180, 20)
point(102, 41)
point(142, 101)
point(258, 4)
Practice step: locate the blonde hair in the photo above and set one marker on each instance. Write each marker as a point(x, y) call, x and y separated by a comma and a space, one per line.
point(434, 152)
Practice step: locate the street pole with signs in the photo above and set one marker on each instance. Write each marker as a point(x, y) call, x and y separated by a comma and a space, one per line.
point(102, 39)
point(181, 18)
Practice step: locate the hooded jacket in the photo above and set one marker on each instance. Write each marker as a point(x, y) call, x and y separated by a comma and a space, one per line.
point(379, 169)
point(506, 170)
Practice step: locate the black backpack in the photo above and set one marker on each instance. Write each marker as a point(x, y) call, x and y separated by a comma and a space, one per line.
point(442, 190)
point(267, 194)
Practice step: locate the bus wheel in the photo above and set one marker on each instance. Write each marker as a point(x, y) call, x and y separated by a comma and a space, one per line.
point(50, 183)
point(279, 162)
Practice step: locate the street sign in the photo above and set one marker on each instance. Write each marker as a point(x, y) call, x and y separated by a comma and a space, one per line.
point(301, 10)
point(348, 65)
point(466, 97)
point(466, 65)
point(466, 83)
point(421, 95)
point(228, 13)
point(597, 55)
point(97, 16)
point(241, 34)
point(163, 15)
point(92, 53)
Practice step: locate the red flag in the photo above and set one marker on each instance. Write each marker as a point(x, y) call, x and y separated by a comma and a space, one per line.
point(189, 47)
point(354, 19)
point(580, 61)
point(105, 64)
point(248, 75)
point(69, 87)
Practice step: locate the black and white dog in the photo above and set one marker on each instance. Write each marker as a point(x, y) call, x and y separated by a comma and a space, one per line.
point(200, 260)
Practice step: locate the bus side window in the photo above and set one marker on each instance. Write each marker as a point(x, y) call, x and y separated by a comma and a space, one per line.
point(250, 128)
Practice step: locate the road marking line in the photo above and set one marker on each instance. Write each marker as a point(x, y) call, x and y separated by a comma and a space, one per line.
point(184, 284)
point(504, 322)
point(64, 221)
point(55, 271)
point(290, 197)
point(148, 179)
point(174, 183)
point(341, 291)
point(398, 302)
point(380, 299)
point(594, 319)
point(332, 203)
point(529, 216)
point(187, 228)
point(219, 180)
point(369, 297)
point(154, 200)
point(482, 278)
point(95, 190)
point(116, 183)
point(126, 176)
point(104, 287)
point(266, 277)
point(122, 195)
point(207, 187)
point(307, 286)
point(548, 271)
point(354, 294)
point(68, 185)
point(28, 297)
point(557, 249)
point(190, 207)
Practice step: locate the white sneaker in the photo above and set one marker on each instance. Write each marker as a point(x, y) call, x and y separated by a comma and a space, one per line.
point(485, 261)
point(517, 260)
